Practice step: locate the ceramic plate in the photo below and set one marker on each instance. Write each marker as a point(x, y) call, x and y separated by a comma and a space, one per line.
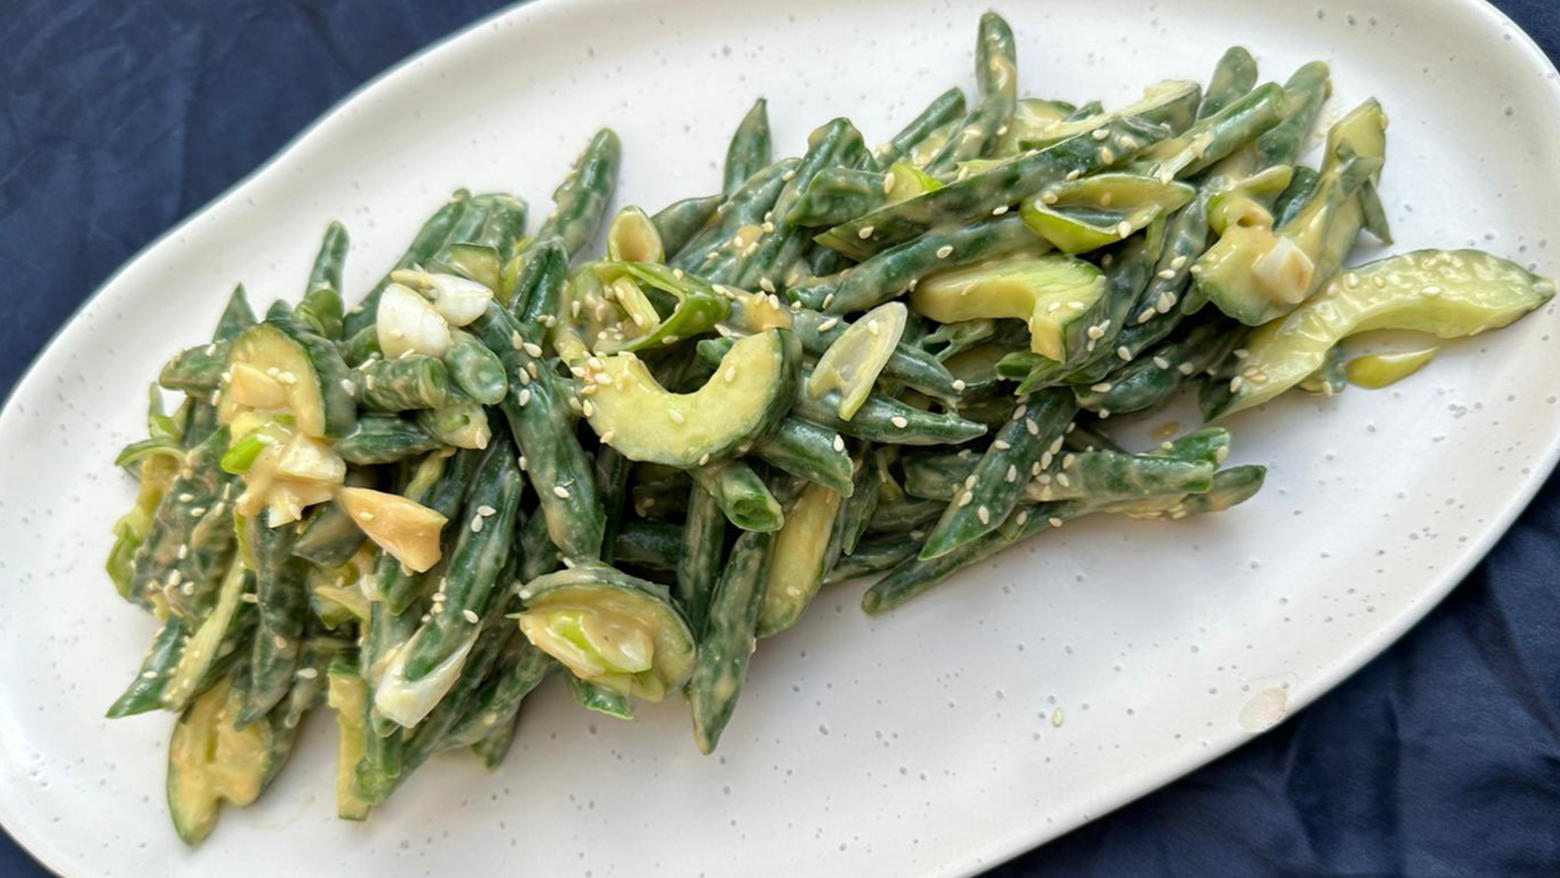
point(1032, 694)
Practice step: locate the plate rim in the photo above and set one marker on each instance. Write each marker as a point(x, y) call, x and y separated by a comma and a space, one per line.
point(1022, 838)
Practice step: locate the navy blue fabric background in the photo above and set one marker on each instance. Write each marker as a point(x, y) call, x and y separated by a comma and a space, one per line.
point(1441, 758)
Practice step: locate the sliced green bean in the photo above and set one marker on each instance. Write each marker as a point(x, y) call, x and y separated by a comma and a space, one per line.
point(748, 152)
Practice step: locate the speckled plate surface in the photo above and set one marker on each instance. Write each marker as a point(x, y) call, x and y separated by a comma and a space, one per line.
point(1026, 697)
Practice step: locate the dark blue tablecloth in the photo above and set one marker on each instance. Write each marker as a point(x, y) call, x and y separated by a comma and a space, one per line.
point(1442, 758)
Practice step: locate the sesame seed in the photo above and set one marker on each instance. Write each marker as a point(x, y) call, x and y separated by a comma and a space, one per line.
point(1106, 199)
point(1103, 413)
point(766, 285)
point(1124, 353)
point(1178, 262)
point(1077, 305)
point(1241, 353)
point(999, 210)
point(1055, 522)
point(1107, 157)
point(1020, 412)
point(347, 385)
point(1147, 315)
point(533, 370)
point(969, 482)
point(470, 616)
point(588, 408)
point(828, 300)
point(1235, 384)
point(731, 374)
point(607, 437)
point(872, 328)
point(197, 512)
point(604, 379)
point(1049, 198)
point(1063, 480)
point(186, 497)
point(561, 491)
point(945, 251)
point(839, 442)
point(1002, 445)
point(1102, 387)
point(524, 397)
point(1073, 175)
point(677, 416)
point(1101, 133)
point(1096, 332)
point(966, 499)
point(788, 176)
point(515, 341)
point(1032, 427)
point(983, 514)
point(888, 182)
point(1012, 473)
point(1123, 229)
point(1186, 368)
point(533, 349)
point(864, 233)
point(899, 421)
point(959, 385)
point(308, 673)
point(476, 524)
point(1431, 291)
point(1167, 274)
point(1167, 445)
point(704, 459)
point(486, 511)
point(1022, 517)
point(184, 552)
point(1161, 362)
point(829, 324)
point(280, 641)
point(149, 675)
point(249, 597)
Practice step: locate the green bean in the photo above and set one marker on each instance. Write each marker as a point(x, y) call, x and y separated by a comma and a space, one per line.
point(838, 195)
point(652, 545)
point(976, 196)
point(729, 637)
point(875, 554)
point(890, 272)
point(236, 317)
point(145, 692)
point(940, 475)
point(384, 439)
point(699, 560)
point(748, 152)
point(538, 554)
point(943, 110)
point(810, 452)
point(331, 537)
point(1108, 476)
point(835, 143)
point(1233, 78)
point(405, 383)
point(612, 472)
point(461, 422)
point(433, 235)
point(520, 670)
point(1302, 186)
point(196, 500)
point(282, 599)
point(599, 699)
point(196, 370)
point(543, 428)
point(678, 222)
point(539, 291)
point(996, 73)
point(991, 492)
point(908, 364)
point(474, 369)
point(321, 307)
point(715, 248)
point(905, 513)
point(1150, 381)
point(741, 495)
point(856, 512)
point(581, 199)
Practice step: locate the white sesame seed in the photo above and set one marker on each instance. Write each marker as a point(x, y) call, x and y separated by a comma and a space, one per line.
point(731, 374)
point(999, 210)
point(1049, 198)
point(959, 385)
point(588, 408)
point(1161, 362)
point(1123, 229)
point(864, 232)
point(186, 497)
point(1186, 368)
point(1068, 460)
point(1167, 274)
point(1002, 445)
point(829, 324)
point(899, 421)
point(888, 182)
point(561, 491)
point(828, 300)
point(983, 514)
point(1235, 384)
point(308, 673)
point(197, 512)
point(533, 349)
point(470, 616)
point(1431, 291)
point(839, 442)
point(1124, 353)
point(1241, 353)
point(1022, 517)
point(969, 482)
point(1101, 133)
point(1103, 413)
point(184, 552)
point(280, 641)
point(1147, 315)
point(1055, 522)
point(966, 499)
point(676, 416)
point(945, 251)
point(1032, 427)
point(1073, 175)
point(766, 285)
point(524, 397)
point(704, 459)
point(476, 524)
point(1096, 333)
point(1077, 305)
point(1102, 387)
point(607, 437)
point(1012, 473)
point(872, 328)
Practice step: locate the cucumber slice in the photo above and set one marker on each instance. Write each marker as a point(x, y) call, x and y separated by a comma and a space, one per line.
point(610, 629)
point(804, 551)
point(1255, 272)
point(1096, 211)
point(853, 362)
point(1445, 293)
point(743, 402)
point(348, 695)
point(1053, 293)
point(209, 762)
point(632, 237)
point(277, 366)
